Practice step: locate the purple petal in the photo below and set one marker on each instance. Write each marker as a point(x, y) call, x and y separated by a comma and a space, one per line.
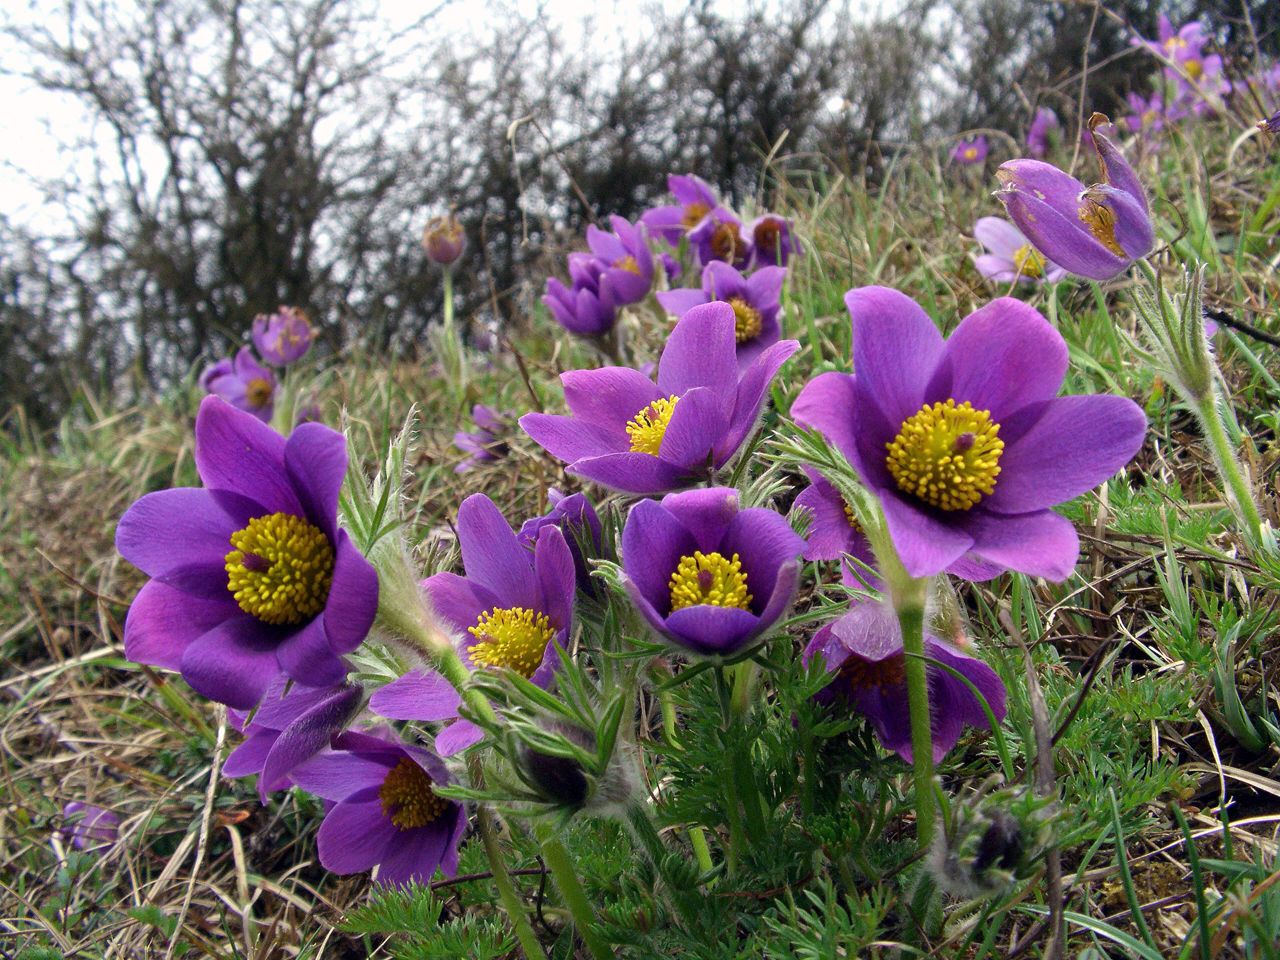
point(316, 459)
point(238, 452)
point(999, 236)
point(557, 577)
point(639, 473)
point(964, 703)
point(926, 544)
point(458, 736)
point(706, 514)
point(353, 597)
point(307, 657)
point(569, 439)
point(681, 301)
point(713, 631)
point(751, 396)
point(491, 554)
point(829, 534)
point(337, 774)
point(417, 696)
point(310, 733)
point(163, 622)
point(700, 353)
point(1062, 240)
point(356, 835)
point(609, 397)
point(695, 425)
point(765, 543)
point(234, 662)
point(827, 404)
point(416, 854)
point(458, 601)
point(1041, 544)
point(248, 758)
point(653, 541)
point(895, 348)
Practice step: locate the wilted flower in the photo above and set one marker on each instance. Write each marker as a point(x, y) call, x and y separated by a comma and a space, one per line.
point(754, 300)
point(511, 608)
point(694, 200)
point(283, 337)
point(578, 521)
point(626, 265)
point(971, 151)
point(1010, 256)
point(586, 307)
point(706, 575)
point(88, 826)
point(772, 242)
point(626, 432)
point(444, 240)
point(251, 575)
point(863, 651)
point(482, 444)
point(965, 441)
point(244, 383)
point(719, 237)
point(290, 726)
point(385, 811)
point(1095, 231)
point(1044, 125)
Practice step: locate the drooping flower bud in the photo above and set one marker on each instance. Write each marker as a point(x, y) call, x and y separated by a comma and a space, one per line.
point(444, 240)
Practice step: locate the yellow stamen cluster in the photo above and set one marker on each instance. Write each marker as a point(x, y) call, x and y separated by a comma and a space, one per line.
point(725, 242)
point(1029, 261)
point(850, 515)
point(627, 263)
point(693, 214)
point(971, 153)
point(257, 393)
point(407, 797)
point(514, 638)
point(280, 569)
point(647, 428)
point(946, 454)
point(1101, 221)
point(861, 674)
point(708, 578)
point(746, 320)
point(1194, 68)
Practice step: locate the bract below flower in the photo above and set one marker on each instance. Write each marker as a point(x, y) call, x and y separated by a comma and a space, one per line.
point(754, 299)
point(863, 649)
point(251, 576)
point(284, 337)
point(510, 610)
point(1010, 256)
point(708, 576)
point(695, 198)
point(385, 813)
point(244, 383)
point(628, 433)
point(965, 441)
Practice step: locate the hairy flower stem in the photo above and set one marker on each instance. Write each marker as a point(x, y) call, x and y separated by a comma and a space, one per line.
point(575, 898)
point(698, 839)
point(908, 602)
point(511, 904)
point(455, 364)
point(1239, 490)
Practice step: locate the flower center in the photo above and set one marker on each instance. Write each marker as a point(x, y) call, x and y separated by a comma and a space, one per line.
point(647, 428)
point(627, 263)
point(407, 797)
point(257, 393)
point(693, 214)
point(1194, 68)
point(725, 242)
point(947, 455)
point(514, 638)
point(280, 569)
point(746, 320)
point(1029, 261)
point(971, 153)
point(850, 515)
point(766, 237)
point(710, 579)
point(1101, 221)
point(862, 674)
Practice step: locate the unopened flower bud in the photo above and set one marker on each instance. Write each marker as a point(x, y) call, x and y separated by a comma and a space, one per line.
point(444, 240)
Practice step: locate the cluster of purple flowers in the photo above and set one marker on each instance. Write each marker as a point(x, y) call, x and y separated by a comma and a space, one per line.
point(1195, 78)
point(281, 339)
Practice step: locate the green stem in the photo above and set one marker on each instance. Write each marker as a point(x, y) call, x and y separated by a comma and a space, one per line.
point(511, 903)
point(642, 828)
point(909, 606)
point(575, 898)
point(1239, 490)
point(701, 852)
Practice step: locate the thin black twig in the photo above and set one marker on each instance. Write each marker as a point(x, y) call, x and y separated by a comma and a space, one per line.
point(1227, 320)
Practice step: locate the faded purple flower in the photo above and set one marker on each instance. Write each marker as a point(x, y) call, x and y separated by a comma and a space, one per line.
point(283, 337)
point(1010, 256)
point(251, 576)
point(695, 198)
point(443, 239)
point(511, 608)
point(1094, 232)
point(706, 575)
point(863, 651)
point(630, 434)
point(754, 301)
point(483, 445)
point(1044, 126)
point(88, 826)
point(578, 521)
point(719, 237)
point(244, 383)
point(1271, 124)
point(385, 812)
point(965, 441)
point(971, 151)
point(772, 242)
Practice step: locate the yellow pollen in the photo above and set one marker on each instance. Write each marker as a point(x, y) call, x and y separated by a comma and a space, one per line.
point(627, 263)
point(257, 392)
point(710, 579)
point(1149, 118)
point(514, 638)
point(280, 569)
point(971, 153)
point(725, 242)
point(746, 320)
point(693, 215)
point(1029, 261)
point(1194, 68)
point(647, 428)
point(1101, 221)
point(407, 797)
point(947, 455)
point(850, 515)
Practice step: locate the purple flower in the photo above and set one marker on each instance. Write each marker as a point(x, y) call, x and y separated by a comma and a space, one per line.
point(511, 608)
point(1272, 124)
point(630, 434)
point(482, 444)
point(251, 576)
point(719, 237)
point(1150, 115)
point(626, 265)
point(772, 242)
point(754, 301)
point(863, 649)
point(833, 531)
point(694, 200)
point(1010, 256)
point(290, 726)
point(578, 521)
point(1094, 232)
point(88, 826)
point(965, 441)
point(707, 576)
point(1187, 64)
point(385, 812)
point(283, 337)
point(1044, 125)
point(670, 266)
point(972, 151)
point(444, 240)
point(587, 306)
point(244, 383)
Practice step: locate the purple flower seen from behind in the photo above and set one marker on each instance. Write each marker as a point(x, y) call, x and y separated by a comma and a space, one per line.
point(250, 575)
point(720, 237)
point(695, 198)
point(709, 577)
point(483, 445)
point(511, 608)
point(585, 307)
point(89, 826)
point(291, 725)
point(863, 651)
point(630, 434)
point(754, 299)
point(626, 265)
point(580, 524)
point(1044, 125)
point(284, 337)
point(1010, 256)
point(1095, 231)
point(244, 383)
point(384, 812)
point(965, 441)
point(971, 151)
point(773, 243)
